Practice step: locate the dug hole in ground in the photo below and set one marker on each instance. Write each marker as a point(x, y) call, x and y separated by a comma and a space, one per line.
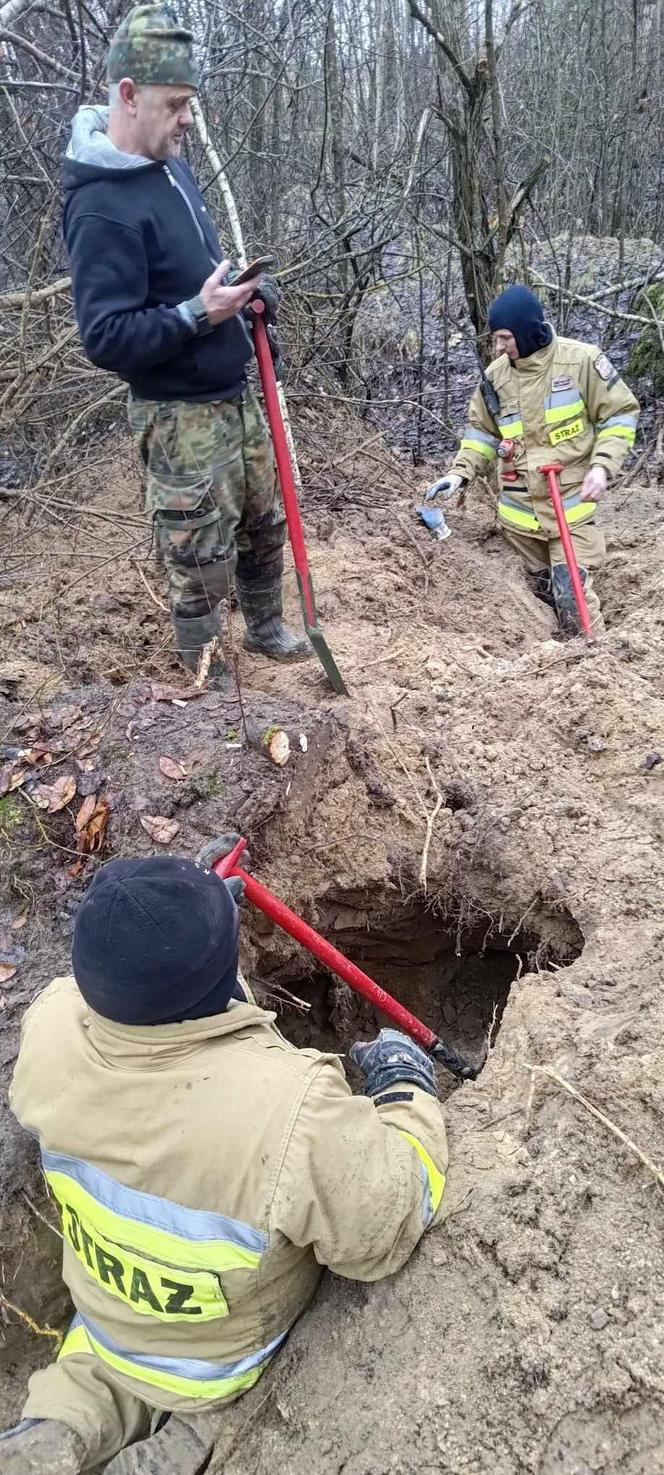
point(479, 825)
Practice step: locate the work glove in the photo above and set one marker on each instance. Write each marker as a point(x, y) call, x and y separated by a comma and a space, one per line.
point(434, 519)
point(215, 850)
point(268, 293)
point(594, 484)
point(446, 486)
point(393, 1057)
point(275, 350)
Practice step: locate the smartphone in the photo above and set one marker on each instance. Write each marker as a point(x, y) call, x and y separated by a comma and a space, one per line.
point(254, 269)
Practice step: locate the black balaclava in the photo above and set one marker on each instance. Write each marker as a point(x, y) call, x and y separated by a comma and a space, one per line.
point(518, 311)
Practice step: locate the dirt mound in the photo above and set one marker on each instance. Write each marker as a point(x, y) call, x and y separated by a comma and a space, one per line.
point(480, 825)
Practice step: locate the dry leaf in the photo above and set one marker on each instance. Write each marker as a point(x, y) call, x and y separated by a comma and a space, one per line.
point(7, 971)
point(89, 745)
point(61, 717)
point(11, 777)
point(86, 811)
point(159, 828)
point(54, 797)
point(161, 693)
point(172, 768)
point(19, 921)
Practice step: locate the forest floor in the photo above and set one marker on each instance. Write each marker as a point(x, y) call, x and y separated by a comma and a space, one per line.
point(480, 825)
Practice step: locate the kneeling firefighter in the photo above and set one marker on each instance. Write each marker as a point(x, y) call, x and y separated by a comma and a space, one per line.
point(547, 398)
point(205, 1171)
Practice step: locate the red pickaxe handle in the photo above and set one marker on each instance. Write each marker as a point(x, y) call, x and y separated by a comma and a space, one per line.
point(337, 963)
point(282, 455)
point(551, 473)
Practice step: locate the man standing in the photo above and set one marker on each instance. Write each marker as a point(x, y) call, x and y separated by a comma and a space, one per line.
point(547, 397)
point(155, 306)
point(204, 1169)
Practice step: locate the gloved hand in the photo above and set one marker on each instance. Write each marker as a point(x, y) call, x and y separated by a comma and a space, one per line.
point(446, 486)
point(268, 293)
point(595, 483)
point(214, 850)
point(393, 1057)
point(275, 350)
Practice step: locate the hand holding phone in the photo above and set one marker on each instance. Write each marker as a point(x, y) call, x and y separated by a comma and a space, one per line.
point(254, 269)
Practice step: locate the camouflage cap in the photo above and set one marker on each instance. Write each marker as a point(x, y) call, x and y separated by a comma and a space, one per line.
point(151, 47)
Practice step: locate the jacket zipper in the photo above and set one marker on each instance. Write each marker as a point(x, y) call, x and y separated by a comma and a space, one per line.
point(172, 180)
point(197, 225)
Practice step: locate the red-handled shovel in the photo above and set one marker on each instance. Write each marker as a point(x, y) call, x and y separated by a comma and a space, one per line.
point(291, 505)
point(551, 473)
point(330, 956)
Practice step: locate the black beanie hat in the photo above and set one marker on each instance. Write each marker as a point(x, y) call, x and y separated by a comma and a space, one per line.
point(518, 311)
point(156, 941)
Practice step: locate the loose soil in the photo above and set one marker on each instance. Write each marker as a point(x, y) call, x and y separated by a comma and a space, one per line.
point(480, 826)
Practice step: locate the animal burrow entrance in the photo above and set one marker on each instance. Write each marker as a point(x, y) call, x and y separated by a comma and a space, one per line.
point(453, 974)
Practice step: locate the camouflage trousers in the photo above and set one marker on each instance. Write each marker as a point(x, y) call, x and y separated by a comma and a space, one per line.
point(212, 493)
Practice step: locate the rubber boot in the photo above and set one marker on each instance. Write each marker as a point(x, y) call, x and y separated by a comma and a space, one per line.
point(192, 635)
point(41, 1447)
point(179, 1448)
point(563, 594)
point(267, 635)
point(543, 588)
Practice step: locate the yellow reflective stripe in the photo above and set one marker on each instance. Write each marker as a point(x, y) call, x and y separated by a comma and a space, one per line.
point(566, 432)
point(624, 432)
point(436, 1179)
point(477, 445)
point(81, 1339)
point(173, 1382)
point(510, 428)
point(160, 1244)
point(76, 1340)
point(146, 1285)
point(558, 413)
point(518, 518)
point(582, 509)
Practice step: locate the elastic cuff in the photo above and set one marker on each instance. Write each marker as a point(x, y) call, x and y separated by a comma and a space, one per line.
point(194, 315)
point(380, 1080)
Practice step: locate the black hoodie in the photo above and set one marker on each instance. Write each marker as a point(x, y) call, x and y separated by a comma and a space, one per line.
point(141, 244)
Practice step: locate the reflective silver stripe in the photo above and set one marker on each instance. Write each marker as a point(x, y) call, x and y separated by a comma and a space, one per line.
point(197, 1369)
point(561, 397)
point(158, 1213)
point(470, 433)
point(630, 422)
point(518, 506)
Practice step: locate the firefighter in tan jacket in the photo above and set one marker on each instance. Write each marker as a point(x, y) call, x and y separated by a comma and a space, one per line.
point(204, 1170)
point(546, 398)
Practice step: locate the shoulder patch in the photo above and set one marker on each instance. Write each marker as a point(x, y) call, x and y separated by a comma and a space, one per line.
point(605, 368)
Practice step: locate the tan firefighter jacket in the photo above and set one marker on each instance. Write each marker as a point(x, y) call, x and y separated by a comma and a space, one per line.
point(566, 404)
point(204, 1173)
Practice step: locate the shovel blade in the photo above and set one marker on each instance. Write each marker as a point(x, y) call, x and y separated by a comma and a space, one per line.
point(315, 634)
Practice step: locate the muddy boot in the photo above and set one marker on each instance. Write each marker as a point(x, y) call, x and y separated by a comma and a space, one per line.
point(543, 588)
point(192, 635)
point(267, 635)
point(41, 1447)
point(566, 610)
point(178, 1449)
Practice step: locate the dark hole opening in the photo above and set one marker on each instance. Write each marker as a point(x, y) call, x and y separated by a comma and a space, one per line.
point(455, 978)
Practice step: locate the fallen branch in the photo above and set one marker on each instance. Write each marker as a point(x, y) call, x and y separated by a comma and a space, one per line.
point(16, 299)
point(155, 600)
point(594, 302)
point(273, 742)
point(552, 1075)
